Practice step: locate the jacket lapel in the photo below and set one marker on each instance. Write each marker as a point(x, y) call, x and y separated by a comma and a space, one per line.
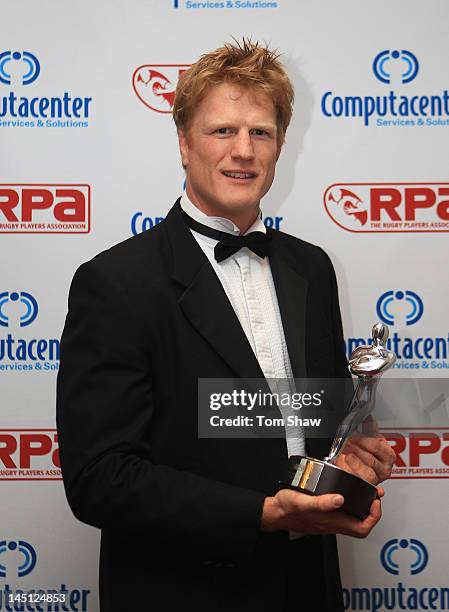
point(206, 305)
point(291, 290)
point(204, 301)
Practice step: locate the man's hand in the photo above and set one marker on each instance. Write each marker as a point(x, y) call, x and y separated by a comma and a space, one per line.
point(295, 511)
point(370, 457)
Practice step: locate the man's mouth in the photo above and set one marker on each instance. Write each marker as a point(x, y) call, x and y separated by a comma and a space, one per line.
point(237, 174)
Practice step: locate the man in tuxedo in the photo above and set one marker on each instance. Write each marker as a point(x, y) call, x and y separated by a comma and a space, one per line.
point(208, 293)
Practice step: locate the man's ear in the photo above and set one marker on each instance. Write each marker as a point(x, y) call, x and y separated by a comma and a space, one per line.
point(183, 147)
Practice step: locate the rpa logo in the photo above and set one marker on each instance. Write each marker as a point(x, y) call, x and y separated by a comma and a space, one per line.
point(388, 207)
point(415, 307)
point(155, 85)
point(383, 65)
point(44, 209)
point(388, 555)
point(29, 302)
point(30, 73)
point(345, 207)
point(26, 564)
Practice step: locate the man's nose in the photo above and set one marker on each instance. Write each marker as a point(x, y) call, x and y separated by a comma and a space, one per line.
point(242, 146)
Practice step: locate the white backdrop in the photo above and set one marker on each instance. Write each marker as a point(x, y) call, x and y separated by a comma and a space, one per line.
point(371, 195)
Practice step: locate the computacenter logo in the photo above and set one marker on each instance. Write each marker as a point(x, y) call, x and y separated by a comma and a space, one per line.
point(31, 62)
point(414, 306)
point(31, 307)
point(390, 563)
point(225, 4)
point(20, 309)
point(18, 559)
point(22, 68)
point(26, 563)
point(382, 66)
point(413, 350)
point(140, 222)
point(409, 557)
point(395, 109)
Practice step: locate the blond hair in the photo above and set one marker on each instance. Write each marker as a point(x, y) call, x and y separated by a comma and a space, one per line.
point(247, 64)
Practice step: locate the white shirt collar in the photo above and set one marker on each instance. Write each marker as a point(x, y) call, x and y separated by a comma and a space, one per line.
point(219, 223)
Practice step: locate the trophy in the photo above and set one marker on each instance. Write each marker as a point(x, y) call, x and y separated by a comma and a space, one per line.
point(315, 476)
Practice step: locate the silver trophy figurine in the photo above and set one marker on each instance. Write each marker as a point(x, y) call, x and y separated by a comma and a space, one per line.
point(315, 476)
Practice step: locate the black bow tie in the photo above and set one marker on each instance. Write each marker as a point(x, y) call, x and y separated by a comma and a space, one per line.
point(228, 244)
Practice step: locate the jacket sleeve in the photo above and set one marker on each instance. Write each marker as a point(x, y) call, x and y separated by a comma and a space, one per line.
point(104, 413)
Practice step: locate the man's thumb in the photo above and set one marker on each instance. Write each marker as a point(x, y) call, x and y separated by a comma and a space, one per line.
point(328, 502)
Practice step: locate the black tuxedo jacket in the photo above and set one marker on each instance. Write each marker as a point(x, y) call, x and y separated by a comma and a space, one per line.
point(180, 516)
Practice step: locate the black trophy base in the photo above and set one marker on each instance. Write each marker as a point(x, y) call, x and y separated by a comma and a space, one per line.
point(316, 477)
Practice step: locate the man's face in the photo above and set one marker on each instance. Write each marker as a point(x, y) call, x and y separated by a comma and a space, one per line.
point(230, 151)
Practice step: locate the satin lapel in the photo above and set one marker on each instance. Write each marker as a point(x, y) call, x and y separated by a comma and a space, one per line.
point(291, 290)
point(204, 301)
point(209, 310)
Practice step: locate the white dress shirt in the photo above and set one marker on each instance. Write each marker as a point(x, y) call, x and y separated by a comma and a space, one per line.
point(248, 283)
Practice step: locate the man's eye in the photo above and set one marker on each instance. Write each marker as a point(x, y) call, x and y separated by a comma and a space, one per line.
point(223, 130)
point(260, 132)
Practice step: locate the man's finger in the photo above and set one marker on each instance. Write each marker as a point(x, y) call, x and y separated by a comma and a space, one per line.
point(328, 502)
point(348, 525)
point(323, 514)
point(364, 528)
point(369, 426)
point(315, 503)
point(360, 468)
point(375, 514)
point(377, 469)
point(376, 446)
